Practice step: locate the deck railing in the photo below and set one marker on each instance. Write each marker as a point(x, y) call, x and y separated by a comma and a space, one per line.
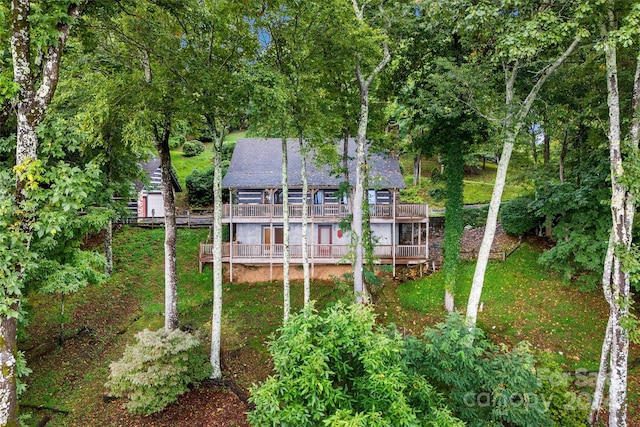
point(329, 210)
point(315, 251)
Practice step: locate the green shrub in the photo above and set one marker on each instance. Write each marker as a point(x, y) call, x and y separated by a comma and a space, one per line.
point(175, 141)
point(411, 195)
point(482, 383)
point(154, 371)
point(518, 216)
point(581, 216)
point(337, 369)
point(476, 217)
point(200, 186)
point(227, 149)
point(567, 405)
point(192, 148)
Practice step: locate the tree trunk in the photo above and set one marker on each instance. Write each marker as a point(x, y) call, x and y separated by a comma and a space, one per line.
point(490, 230)
point(108, 248)
point(548, 225)
point(547, 149)
point(605, 355)
point(8, 351)
point(449, 301)
point(512, 126)
point(563, 155)
point(364, 83)
point(31, 106)
point(417, 168)
point(216, 320)
point(170, 276)
point(534, 148)
point(622, 212)
point(358, 199)
point(603, 373)
point(345, 158)
point(286, 253)
point(305, 239)
point(453, 226)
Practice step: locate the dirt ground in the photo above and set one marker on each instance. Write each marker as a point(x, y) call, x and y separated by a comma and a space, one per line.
point(263, 273)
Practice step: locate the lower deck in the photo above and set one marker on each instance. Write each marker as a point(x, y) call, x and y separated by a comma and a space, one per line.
point(317, 254)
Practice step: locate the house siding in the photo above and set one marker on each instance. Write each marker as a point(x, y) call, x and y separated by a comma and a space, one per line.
point(251, 197)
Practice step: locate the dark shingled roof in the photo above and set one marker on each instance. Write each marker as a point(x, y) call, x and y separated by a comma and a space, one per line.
point(150, 167)
point(257, 163)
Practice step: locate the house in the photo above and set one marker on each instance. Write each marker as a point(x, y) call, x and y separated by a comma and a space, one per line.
point(255, 215)
point(149, 202)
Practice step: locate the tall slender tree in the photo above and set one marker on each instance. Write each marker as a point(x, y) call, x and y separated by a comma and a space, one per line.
point(35, 84)
point(143, 40)
point(512, 38)
point(217, 46)
point(365, 78)
point(294, 58)
point(617, 265)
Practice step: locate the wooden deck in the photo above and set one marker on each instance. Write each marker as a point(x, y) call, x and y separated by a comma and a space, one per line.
point(403, 212)
point(317, 254)
point(254, 213)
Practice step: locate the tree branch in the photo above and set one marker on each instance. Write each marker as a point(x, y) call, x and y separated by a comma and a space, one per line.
point(21, 46)
point(51, 69)
point(533, 93)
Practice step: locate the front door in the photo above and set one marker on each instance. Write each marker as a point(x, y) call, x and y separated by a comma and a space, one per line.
point(277, 238)
point(266, 240)
point(324, 240)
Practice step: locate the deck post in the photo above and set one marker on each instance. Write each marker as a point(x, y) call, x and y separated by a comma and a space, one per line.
point(427, 243)
point(393, 235)
point(312, 246)
point(231, 193)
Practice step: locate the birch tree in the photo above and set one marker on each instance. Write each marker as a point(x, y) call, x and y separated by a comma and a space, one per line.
point(299, 33)
point(616, 276)
point(514, 38)
point(34, 85)
point(143, 40)
point(217, 46)
point(365, 78)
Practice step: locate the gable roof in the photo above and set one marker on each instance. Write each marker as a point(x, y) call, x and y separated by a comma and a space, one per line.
point(152, 167)
point(257, 163)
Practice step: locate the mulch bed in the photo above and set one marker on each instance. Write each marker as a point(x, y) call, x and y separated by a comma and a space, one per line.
point(471, 240)
point(202, 407)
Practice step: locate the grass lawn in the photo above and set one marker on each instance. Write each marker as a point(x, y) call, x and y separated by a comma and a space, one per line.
point(203, 161)
point(522, 301)
point(478, 184)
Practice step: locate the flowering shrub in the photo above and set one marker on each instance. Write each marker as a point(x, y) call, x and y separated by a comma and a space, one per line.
point(155, 370)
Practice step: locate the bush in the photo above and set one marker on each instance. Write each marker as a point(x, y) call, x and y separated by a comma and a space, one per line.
point(337, 369)
point(175, 141)
point(482, 383)
point(476, 217)
point(518, 216)
point(200, 187)
point(154, 371)
point(227, 149)
point(567, 406)
point(581, 226)
point(192, 148)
